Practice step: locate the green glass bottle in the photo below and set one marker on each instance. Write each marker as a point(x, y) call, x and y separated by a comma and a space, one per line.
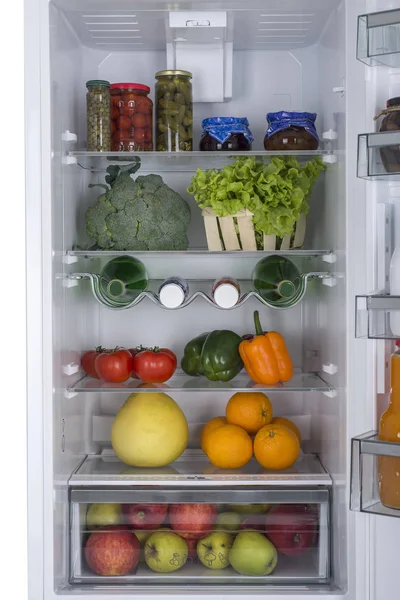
point(277, 280)
point(122, 280)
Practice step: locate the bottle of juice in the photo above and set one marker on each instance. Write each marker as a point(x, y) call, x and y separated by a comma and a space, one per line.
point(389, 431)
point(122, 280)
point(277, 280)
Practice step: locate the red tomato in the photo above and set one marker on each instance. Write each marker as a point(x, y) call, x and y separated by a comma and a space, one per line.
point(115, 100)
point(114, 366)
point(155, 365)
point(114, 113)
point(139, 120)
point(143, 105)
point(128, 111)
point(113, 128)
point(149, 121)
point(129, 98)
point(139, 135)
point(124, 123)
point(88, 361)
point(121, 134)
point(292, 528)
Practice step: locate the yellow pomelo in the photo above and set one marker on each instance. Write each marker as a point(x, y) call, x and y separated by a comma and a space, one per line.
point(150, 430)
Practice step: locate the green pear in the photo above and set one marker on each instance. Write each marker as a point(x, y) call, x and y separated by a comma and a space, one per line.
point(213, 550)
point(227, 521)
point(165, 552)
point(253, 554)
point(249, 509)
point(101, 515)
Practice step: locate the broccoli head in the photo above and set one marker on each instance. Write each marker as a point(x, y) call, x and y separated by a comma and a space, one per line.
point(141, 214)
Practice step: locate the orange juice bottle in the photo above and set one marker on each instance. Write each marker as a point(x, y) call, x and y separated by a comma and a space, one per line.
point(389, 431)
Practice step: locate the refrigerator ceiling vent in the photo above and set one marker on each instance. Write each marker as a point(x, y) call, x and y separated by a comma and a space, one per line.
point(282, 26)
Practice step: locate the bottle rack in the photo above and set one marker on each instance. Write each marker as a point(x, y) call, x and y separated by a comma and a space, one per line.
point(379, 38)
point(194, 285)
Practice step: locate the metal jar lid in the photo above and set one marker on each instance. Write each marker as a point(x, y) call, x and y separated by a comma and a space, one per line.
point(174, 73)
point(97, 82)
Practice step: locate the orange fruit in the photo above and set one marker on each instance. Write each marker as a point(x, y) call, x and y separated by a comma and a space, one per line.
point(250, 410)
point(276, 447)
point(208, 427)
point(229, 447)
point(287, 423)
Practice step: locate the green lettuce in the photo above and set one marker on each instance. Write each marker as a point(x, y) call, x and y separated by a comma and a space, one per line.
point(277, 192)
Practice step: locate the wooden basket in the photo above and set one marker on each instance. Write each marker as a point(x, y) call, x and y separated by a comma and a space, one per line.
point(224, 227)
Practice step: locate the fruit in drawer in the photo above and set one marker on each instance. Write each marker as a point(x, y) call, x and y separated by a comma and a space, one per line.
point(249, 410)
point(249, 509)
point(165, 552)
point(213, 550)
point(227, 521)
point(208, 427)
point(144, 516)
point(112, 551)
point(192, 521)
point(100, 515)
point(276, 447)
point(255, 523)
point(150, 430)
point(229, 447)
point(292, 528)
point(253, 554)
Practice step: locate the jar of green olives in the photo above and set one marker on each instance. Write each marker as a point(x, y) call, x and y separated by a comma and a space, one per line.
point(98, 116)
point(174, 111)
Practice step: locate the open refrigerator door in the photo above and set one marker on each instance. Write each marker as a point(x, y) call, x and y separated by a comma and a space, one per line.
point(108, 524)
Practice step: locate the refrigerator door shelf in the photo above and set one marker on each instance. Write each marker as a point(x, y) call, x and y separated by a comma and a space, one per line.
point(372, 155)
point(378, 317)
point(180, 382)
point(160, 162)
point(365, 452)
point(379, 38)
point(194, 469)
point(197, 291)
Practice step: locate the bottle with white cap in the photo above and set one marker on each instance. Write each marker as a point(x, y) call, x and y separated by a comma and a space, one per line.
point(226, 292)
point(173, 292)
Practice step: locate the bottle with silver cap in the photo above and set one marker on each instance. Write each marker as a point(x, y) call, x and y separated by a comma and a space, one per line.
point(226, 292)
point(173, 292)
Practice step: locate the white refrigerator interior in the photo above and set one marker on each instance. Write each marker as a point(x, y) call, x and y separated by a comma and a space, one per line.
point(248, 57)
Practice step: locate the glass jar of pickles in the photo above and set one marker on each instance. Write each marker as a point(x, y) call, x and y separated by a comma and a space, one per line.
point(174, 111)
point(131, 118)
point(98, 116)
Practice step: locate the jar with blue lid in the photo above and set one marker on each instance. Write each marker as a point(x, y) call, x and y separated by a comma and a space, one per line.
point(226, 133)
point(291, 131)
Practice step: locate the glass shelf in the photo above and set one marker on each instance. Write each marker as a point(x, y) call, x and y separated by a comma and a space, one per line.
point(203, 252)
point(368, 456)
point(378, 317)
point(371, 147)
point(97, 162)
point(379, 38)
point(197, 288)
point(194, 469)
point(180, 382)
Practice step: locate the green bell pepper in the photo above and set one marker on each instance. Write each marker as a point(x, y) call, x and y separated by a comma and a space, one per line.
point(191, 361)
point(220, 358)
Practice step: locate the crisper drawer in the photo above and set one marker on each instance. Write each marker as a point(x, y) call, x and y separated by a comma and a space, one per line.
point(147, 536)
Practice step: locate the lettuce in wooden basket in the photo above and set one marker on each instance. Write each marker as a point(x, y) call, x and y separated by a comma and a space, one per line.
point(276, 193)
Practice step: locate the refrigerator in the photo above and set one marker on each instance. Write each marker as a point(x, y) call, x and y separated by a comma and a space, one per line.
point(337, 58)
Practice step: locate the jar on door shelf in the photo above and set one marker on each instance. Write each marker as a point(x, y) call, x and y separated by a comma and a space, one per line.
point(131, 118)
point(174, 111)
point(389, 431)
point(226, 133)
point(226, 292)
point(98, 109)
point(291, 131)
point(173, 292)
point(390, 155)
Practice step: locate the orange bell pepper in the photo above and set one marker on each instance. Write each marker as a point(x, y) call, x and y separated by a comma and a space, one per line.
point(266, 358)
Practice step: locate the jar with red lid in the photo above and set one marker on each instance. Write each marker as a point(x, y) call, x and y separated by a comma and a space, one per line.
point(131, 118)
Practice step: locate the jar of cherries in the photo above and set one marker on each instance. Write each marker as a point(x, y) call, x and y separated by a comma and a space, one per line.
point(131, 118)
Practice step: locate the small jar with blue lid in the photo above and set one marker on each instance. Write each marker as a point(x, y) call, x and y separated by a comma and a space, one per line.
point(291, 131)
point(226, 133)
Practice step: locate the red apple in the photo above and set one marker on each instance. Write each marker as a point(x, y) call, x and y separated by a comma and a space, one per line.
point(145, 516)
point(112, 551)
point(292, 528)
point(255, 522)
point(192, 521)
